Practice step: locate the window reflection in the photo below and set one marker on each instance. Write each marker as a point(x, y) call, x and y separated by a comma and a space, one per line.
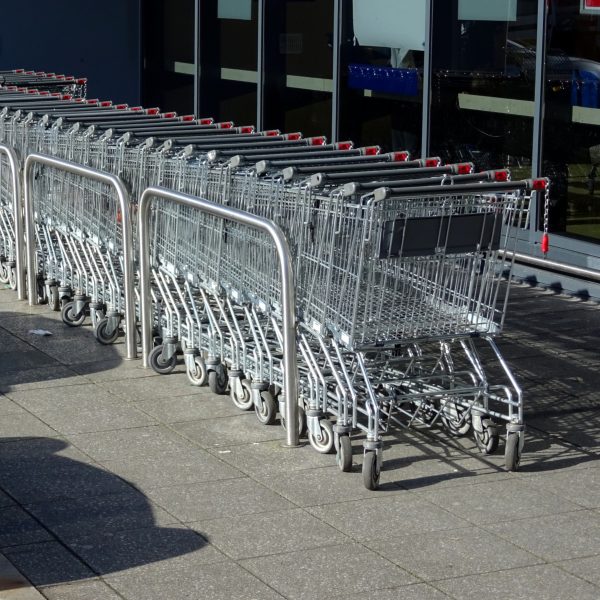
point(168, 74)
point(571, 149)
point(381, 73)
point(298, 65)
point(228, 60)
point(483, 61)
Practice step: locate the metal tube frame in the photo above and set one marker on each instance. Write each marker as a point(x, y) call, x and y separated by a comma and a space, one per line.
point(123, 197)
point(290, 364)
point(13, 163)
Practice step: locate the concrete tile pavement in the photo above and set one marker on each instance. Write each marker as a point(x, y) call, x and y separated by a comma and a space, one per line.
point(118, 483)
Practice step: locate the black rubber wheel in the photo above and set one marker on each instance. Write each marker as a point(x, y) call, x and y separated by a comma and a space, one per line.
point(102, 334)
point(487, 440)
point(370, 470)
point(159, 364)
point(198, 375)
point(344, 453)
point(243, 402)
point(69, 316)
point(217, 379)
point(451, 418)
point(512, 453)
point(267, 411)
point(3, 273)
point(324, 445)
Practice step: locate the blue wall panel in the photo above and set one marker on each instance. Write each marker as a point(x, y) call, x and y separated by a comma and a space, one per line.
point(99, 40)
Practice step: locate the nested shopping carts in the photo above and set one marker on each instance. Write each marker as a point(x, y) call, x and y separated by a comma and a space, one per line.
point(399, 267)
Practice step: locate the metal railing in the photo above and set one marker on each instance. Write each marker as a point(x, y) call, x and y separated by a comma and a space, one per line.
point(125, 221)
point(287, 285)
point(13, 163)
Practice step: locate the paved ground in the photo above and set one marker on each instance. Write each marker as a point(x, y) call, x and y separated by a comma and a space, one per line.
point(117, 483)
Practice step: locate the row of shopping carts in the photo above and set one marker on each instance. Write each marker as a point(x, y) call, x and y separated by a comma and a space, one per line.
point(399, 266)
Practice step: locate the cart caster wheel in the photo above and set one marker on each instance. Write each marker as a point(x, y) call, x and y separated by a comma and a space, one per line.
point(487, 440)
point(3, 273)
point(69, 316)
point(267, 411)
point(159, 364)
point(344, 453)
point(512, 452)
point(64, 301)
point(452, 420)
point(301, 421)
point(217, 379)
point(370, 470)
point(242, 399)
point(102, 334)
point(54, 300)
point(324, 443)
point(198, 375)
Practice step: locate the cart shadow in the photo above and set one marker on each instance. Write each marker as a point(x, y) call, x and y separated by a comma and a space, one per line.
point(99, 523)
point(35, 348)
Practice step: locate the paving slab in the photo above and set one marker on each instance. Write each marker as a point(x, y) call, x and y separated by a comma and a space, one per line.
point(417, 591)
point(13, 586)
point(199, 405)
point(173, 468)
point(215, 581)
point(18, 528)
point(325, 572)
point(514, 499)
point(7, 406)
point(264, 534)
point(42, 469)
point(584, 568)
point(556, 537)
point(23, 424)
point(111, 552)
point(242, 428)
point(71, 518)
point(86, 590)
point(143, 442)
point(401, 513)
point(269, 457)
point(458, 552)
point(544, 582)
point(217, 499)
point(48, 563)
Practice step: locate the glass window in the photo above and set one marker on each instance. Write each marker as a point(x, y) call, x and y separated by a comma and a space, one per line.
point(482, 97)
point(228, 60)
point(168, 40)
point(571, 142)
point(381, 73)
point(298, 66)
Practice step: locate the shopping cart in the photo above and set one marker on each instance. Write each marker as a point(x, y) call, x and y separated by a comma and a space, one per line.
point(399, 267)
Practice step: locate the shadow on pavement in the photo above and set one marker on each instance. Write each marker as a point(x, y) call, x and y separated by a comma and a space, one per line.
point(27, 357)
point(73, 520)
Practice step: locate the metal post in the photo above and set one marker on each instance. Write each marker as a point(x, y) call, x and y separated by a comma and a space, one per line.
point(290, 366)
point(427, 80)
point(197, 58)
point(123, 197)
point(260, 66)
point(13, 163)
point(335, 97)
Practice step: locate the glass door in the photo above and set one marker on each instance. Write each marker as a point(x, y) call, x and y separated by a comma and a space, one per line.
point(298, 59)
point(168, 43)
point(571, 137)
point(483, 81)
point(228, 60)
